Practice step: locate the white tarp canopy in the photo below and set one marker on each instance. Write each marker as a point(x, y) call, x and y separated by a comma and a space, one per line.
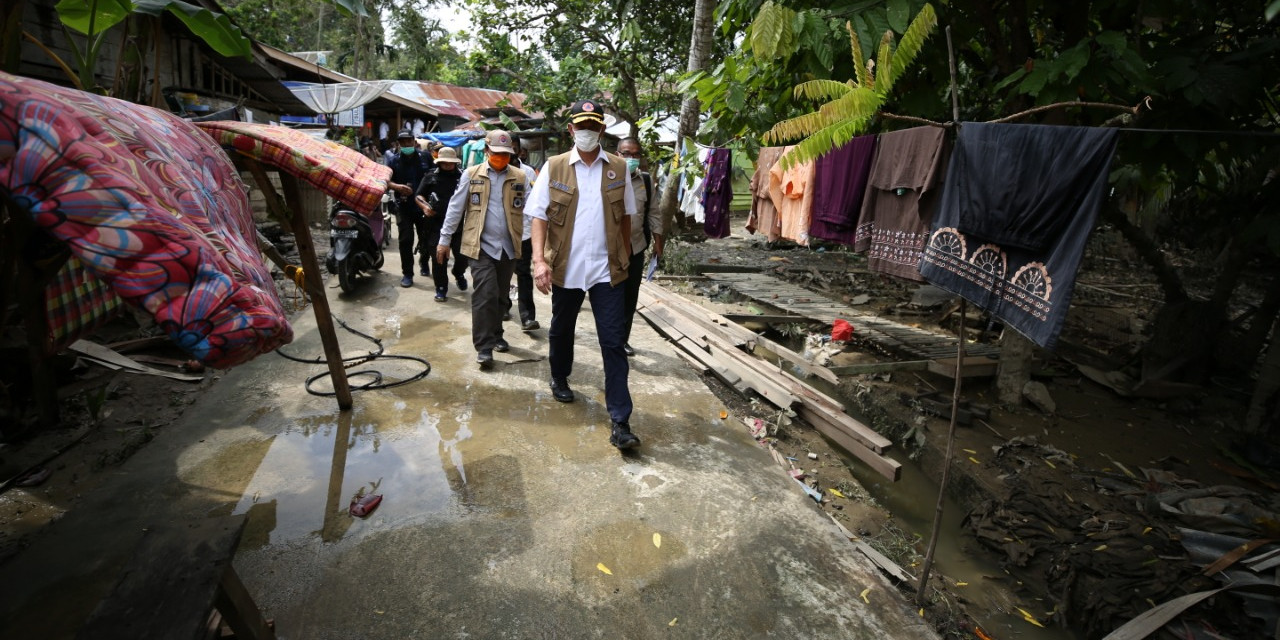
point(338, 96)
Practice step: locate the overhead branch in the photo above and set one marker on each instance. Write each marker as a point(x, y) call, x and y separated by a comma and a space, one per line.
point(1058, 105)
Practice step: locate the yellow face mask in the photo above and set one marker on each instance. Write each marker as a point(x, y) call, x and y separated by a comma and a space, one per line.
point(499, 161)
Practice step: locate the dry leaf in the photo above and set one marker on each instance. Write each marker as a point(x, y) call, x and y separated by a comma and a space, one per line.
point(864, 595)
point(836, 493)
point(657, 540)
point(970, 451)
point(603, 569)
point(974, 460)
point(673, 622)
point(962, 584)
point(1101, 547)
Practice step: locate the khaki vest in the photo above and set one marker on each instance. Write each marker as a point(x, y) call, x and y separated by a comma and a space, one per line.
point(513, 198)
point(562, 211)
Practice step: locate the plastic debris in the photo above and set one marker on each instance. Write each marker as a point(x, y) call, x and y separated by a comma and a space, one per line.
point(363, 505)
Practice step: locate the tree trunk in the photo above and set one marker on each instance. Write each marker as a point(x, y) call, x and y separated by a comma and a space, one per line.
point(699, 53)
point(1265, 405)
point(1013, 372)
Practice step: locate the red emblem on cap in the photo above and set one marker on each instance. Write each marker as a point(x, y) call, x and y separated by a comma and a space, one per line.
point(587, 106)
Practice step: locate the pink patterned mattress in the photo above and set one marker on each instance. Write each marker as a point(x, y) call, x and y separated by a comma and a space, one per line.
point(148, 205)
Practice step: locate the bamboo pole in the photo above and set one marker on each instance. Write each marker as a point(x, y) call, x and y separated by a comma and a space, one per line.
point(955, 394)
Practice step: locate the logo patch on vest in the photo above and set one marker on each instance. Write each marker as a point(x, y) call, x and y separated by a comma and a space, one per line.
point(611, 174)
point(475, 198)
point(477, 182)
point(517, 202)
point(561, 186)
point(613, 185)
point(519, 186)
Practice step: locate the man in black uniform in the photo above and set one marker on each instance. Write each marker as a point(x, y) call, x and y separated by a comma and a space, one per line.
point(407, 170)
point(432, 197)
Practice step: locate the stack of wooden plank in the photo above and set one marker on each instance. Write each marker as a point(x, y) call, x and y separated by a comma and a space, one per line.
point(712, 343)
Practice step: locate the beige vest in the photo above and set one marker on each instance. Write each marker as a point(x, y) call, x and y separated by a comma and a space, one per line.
point(513, 198)
point(562, 211)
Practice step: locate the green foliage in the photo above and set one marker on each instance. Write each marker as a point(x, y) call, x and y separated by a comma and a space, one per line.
point(851, 107)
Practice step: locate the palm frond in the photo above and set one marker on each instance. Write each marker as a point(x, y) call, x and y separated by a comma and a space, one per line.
point(822, 89)
point(855, 104)
point(884, 64)
point(859, 62)
point(797, 127)
point(823, 141)
point(913, 40)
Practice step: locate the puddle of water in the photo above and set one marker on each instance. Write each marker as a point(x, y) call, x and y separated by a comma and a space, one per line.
point(913, 501)
point(305, 482)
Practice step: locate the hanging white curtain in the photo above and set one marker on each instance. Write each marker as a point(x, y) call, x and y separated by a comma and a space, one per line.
point(339, 96)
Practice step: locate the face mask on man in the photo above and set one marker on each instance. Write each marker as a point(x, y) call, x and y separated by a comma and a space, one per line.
point(499, 161)
point(586, 140)
point(633, 164)
point(407, 150)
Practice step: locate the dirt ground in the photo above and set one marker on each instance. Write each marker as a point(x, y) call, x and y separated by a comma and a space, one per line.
point(1078, 505)
point(1072, 504)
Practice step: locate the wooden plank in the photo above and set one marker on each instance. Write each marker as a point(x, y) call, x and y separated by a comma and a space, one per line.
point(886, 467)
point(170, 584)
point(973, 367)
point(725, 268)
point(770, 318)
point(879, 367)
point(797, 359)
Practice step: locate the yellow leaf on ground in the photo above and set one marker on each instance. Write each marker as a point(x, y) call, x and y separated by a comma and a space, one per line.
point(1051, 466)
point(962, 584)
point(921, 612)
point(836, 493)
point(603, 569)
point(974, 460)
point(1101, 547)
point(864, 595)
point(1026, 615)
point(657, 540)
point(971, 451)
point(673, 622)
point(1146, 530)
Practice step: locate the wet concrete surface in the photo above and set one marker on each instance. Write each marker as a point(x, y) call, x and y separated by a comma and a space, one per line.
point(505, 514)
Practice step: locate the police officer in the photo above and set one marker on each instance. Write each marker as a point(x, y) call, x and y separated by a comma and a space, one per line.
point(492, 197)
point(432, 197)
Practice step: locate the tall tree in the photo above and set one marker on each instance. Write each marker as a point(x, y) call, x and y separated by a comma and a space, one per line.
point(700, 45)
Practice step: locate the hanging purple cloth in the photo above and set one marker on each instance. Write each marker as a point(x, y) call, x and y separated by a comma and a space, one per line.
point(717, 192)
point(840, 182)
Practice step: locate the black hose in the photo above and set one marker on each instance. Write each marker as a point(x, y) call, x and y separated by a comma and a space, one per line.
point(347, 363)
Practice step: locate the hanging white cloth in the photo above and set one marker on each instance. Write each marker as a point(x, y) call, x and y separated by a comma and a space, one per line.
point(338, 96)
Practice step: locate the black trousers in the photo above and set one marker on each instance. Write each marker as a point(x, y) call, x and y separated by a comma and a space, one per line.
point(635, 275)
point(524, 284)
point(411, 219)
point(607, 306)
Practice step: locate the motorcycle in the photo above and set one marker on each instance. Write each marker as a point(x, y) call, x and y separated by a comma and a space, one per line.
point(355, 245)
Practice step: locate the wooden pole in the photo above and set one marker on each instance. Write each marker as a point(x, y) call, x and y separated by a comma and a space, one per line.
point(315, 289)
point(955, 394)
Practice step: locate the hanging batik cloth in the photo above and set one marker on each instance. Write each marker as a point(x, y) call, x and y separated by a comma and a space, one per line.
point(1016, 211)
point(840, 179)
point(792, 194)
point(717, 193)
point(764, 216)
point(902, 194)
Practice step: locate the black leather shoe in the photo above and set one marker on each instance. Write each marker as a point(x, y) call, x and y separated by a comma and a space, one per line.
point(622, 437)
point(501, 346)
point(485, 360)
point(626, 348)
point(529, 325)
point(462, 284)
point(506, 315)
point(560, 389)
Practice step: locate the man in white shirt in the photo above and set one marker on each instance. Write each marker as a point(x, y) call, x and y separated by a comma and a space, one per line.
point(582, 208)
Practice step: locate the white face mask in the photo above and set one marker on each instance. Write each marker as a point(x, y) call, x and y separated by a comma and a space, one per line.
point(586, 140)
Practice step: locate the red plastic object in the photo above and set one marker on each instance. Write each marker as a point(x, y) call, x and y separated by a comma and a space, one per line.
point(364, 505)
point(841, 331)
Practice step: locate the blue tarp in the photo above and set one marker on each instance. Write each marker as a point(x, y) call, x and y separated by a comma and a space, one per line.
point(453, 138)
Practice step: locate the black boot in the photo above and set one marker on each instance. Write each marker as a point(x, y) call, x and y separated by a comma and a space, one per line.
point(560, 390)
point(622, 437)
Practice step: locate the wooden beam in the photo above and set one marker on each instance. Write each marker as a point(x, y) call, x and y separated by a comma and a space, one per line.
point(797, 359)
point(768, 318)
point(315, 289)
point(879, 367)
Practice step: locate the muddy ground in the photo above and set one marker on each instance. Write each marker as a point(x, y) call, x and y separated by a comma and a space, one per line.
point(1067, 504)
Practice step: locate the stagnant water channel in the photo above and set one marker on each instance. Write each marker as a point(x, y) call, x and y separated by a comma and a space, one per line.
point(912, 501)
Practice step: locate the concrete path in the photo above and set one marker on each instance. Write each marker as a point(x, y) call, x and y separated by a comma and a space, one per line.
point(502, 508)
